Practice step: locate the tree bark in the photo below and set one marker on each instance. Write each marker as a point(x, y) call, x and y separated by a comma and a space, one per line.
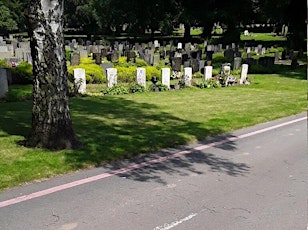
point(51, 121)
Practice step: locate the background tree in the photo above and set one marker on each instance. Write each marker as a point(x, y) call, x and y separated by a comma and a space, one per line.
point(51, 121)
point(7, 23)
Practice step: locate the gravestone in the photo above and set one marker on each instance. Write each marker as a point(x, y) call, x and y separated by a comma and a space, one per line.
point(166, 77)
point(75, 59)
point(209, 55)
point(112, 77)
point(201, 66)
point(184, 57)
point(276, 56)
point(237, 63)
point(105, 66)
point(244, 72)
point(229, 53)
point(176, 64)
point(156, 59)
point(208, 72)
point(267, 62)
point(114, 56)
point(83, 53)
point(195, 65)
point(186, 64)
point(4, 88)
point(187, 76)
point(141, 76)
point(180, 46)
point(98, 58)
point(4, 49)
point(80, 80)
point(19, 53)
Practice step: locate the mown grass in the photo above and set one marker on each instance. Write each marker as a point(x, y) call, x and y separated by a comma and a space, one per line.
point(263, 37)
point(116, 127)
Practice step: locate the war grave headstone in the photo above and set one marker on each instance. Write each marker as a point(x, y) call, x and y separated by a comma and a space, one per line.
point(80, 80)
point(141, 76)
point(112, 77)
point(187, 76)
point(166, 77)
point(244, 72)
point(208, 72)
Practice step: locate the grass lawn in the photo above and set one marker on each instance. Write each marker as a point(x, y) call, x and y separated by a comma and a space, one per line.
point(115, 127)
point(263, 37)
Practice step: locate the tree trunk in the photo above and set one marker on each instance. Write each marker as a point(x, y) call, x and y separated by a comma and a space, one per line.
point(51, 121)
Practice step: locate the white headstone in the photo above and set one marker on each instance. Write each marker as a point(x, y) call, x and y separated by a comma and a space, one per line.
point(180, 46)
point(112, 77)
point(187, 76)
point(156, 44)
point(80, 80)
point(141, 76)
point(248, 50)
point(246, 33)
point(3, 83)
point(166, 77)
point(208, 72)
point(244, 72)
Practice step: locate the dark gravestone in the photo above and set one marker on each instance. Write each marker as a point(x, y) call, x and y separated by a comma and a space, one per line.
point(184, 58)
point(195, 65)
point(209, 55)
point(251, 61)
point(229, 53)
point(75, 59)
point(104, 52)
point(98, 58)
point(108, 57)
point(194, 54)
point(131, 55)
point(267, 62)
point(176, 64)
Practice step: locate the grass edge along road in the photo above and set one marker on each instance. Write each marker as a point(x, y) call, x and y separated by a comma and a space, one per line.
point(116, 127)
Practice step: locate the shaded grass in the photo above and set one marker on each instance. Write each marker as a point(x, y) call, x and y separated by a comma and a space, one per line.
point(116, 127)
point(263, 37)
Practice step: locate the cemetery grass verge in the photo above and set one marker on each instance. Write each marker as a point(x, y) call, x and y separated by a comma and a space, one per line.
point(117, 127)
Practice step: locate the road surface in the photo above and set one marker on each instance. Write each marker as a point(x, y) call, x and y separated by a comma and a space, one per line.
point(255, 178)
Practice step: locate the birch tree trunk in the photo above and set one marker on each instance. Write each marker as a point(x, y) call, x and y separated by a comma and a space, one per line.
point(51, 121)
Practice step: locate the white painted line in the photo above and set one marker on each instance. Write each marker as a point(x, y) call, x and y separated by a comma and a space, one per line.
point(136, 166)
point(175, 223)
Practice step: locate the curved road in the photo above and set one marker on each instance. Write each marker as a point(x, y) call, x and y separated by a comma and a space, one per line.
point(254, 178)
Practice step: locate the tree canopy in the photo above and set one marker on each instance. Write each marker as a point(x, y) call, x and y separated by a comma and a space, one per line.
point(134, 17)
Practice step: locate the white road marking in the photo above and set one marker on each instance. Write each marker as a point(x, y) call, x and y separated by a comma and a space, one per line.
point(175, 223)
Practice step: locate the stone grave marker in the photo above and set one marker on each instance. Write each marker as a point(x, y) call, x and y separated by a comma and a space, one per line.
point(244, 72)
point(186, 64)
point(105, 66)
point(114, 56)
point(156, 59)
point(208, 72)
point(180, 46)
point(229, 53)
point(4, 88)
point(194, 65)
point(75, 59)
point(187, 76)
point(176, 63)
point(80, 80)
point(141, 76)
point(201, 66)
point(112, 77)
point(20, 54)
point(237, 63)
point(83, 53)
point(276, 56)
point(166, 77)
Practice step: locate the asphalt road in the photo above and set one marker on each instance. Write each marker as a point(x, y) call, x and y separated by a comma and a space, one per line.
point(255, 178)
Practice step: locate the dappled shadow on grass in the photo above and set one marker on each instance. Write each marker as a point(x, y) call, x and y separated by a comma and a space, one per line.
point(113, 128)
point(287, 71)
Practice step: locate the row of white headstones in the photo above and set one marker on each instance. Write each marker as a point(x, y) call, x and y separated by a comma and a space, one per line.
point(112, 76)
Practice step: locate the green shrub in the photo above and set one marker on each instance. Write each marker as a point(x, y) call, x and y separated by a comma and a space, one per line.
point(158, 87)
point(136, 88)
point(4, 64)
point(220, 59)
point(152, 71)
point(94, 73)
point(116, 90)
point(22, 73)
point(126, 74)
point(215, 72)
point(140, 62)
